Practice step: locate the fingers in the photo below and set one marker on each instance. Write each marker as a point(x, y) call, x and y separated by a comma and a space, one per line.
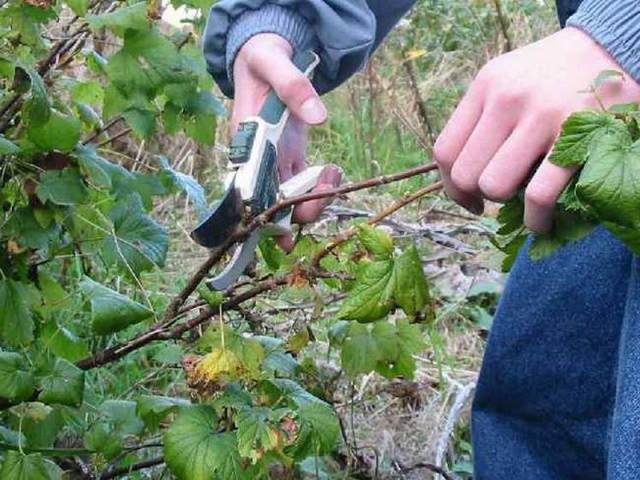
point(453, 139)
point(541, 195)
point(291, 85)
point(307, 212)
point(292, 148)
point(490, 133)
point(510, 166)
point(329, 178)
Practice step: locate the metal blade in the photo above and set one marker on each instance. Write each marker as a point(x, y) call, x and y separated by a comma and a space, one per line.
point(222, 221)
point(241, 259)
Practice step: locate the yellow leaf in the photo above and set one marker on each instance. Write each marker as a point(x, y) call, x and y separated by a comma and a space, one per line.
point(415, 53)
point(219, 363)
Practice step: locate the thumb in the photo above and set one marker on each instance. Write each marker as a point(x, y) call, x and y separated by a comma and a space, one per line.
point(291, 85)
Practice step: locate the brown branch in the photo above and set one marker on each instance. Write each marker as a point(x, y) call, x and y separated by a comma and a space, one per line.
point(162, 330)
point(348, 188)
point(121, 133)
point(423, 111)
point(504, 25)
point(118, 472)
point(102, 129)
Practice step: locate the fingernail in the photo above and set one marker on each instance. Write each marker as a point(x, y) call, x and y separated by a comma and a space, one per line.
point(313, 111)
point(332, 174)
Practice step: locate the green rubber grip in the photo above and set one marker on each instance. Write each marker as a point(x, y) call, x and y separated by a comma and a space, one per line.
point(273, 107)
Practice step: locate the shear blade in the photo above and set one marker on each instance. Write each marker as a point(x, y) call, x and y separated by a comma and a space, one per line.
point(222, 221)
point(241, 259)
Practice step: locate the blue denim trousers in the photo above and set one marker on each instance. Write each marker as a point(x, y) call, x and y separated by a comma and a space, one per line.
point(558, 395)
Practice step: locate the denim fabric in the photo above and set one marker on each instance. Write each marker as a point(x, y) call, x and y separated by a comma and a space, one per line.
point(559, 390)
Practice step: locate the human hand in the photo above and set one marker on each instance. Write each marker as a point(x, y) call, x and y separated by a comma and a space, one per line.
point(264, 64)
point(511, 117)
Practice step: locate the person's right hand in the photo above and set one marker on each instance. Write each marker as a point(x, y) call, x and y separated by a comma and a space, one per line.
point(512, 115)
point(264, 64)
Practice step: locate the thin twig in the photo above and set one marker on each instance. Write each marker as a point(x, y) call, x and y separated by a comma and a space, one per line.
point(118, 472)
point(403, 202)
point(103, 129)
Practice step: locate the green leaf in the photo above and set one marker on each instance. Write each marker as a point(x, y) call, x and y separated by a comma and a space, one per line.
point(360, 351)
point(179, 181)
point(12, 437)
point(255, 431)
point(382, 285)
point(137, 241)
point(142, 122)
point(23, 227)
point(411, 291)
point(62, 383)
point(16, 321)
point(17, 466)
point(7, 147)
point(510, 216)
point(212, 297)
point(79, 7)
point(272, 255)
point(377, 242)
point(194, 451)
point(372, 296)
point(111, 311)
point(383, 347)
point(16, 381)
point(87, 115)
point(54, 297)
point(62, 342)
point(169, 354)
point(409, 342)
point(319, 430)
point(152, 409)
point(146, 62)
point(103, 439)
point(61, 132)
point(90, 92)
point(97, 170)
point(122, 414)
point(608, 186)
point(36, 108)
point(577, 133)
point(129, 17)
point(202, 128)
point(41, 424)
point(62, 187)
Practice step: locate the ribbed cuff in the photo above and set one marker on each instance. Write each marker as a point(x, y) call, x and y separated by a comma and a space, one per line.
point(267, 19)
point(616, 26)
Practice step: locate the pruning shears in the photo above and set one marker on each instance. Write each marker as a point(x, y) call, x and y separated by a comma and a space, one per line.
point(252, 184)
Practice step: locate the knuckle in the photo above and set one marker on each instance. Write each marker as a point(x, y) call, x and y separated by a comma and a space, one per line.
point(295, 89)
point(507, 98)
point(539, 196)
point(495, 189)
point(462, 180)
point(442, 156)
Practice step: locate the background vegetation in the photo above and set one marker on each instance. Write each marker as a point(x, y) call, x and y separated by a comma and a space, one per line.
point(115, 363)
